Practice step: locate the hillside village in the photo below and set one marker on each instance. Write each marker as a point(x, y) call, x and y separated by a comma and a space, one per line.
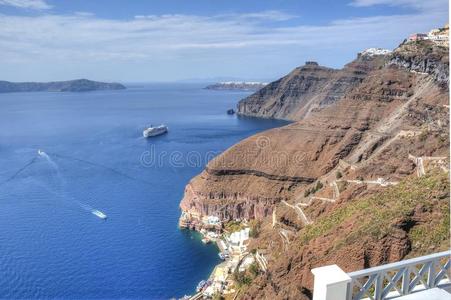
point(439, 36)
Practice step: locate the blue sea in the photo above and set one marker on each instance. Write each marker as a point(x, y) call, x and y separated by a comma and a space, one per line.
point(95, 158)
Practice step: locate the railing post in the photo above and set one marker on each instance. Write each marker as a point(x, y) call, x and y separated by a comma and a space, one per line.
point(378, 284)
point(331, 283)
point(405, 281)
point(431, 275)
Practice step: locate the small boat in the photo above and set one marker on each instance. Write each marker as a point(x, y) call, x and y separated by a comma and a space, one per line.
point(99, 214)
point(206, 240)
point(41, 153)
point(223, 255)
point(201, 285)
point(231, 111)
point(154, 131)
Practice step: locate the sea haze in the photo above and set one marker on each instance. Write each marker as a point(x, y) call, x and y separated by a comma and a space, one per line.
point(51, 245)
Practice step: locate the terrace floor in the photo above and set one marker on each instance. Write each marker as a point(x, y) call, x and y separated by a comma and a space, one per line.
point(431, 294)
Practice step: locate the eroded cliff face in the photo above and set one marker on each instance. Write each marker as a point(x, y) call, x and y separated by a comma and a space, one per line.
point(359, 131)
point(423, 57)
point(311, 86)
point(364, 129)
point(307, 88)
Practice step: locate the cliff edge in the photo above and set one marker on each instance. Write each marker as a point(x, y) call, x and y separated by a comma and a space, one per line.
point(361, 134)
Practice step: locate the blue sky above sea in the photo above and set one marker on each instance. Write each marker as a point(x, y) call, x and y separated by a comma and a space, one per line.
point(173, 40)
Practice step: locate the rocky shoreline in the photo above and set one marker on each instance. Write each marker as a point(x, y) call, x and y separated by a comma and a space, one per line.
point(232, 241)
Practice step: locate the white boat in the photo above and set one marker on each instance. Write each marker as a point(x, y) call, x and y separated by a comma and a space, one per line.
point(41, 153)
point(99, 214)
point(154, 131)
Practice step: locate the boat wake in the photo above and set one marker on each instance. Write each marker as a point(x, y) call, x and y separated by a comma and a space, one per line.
point(79, 204)
point(12, 177)
point(63, 194)
point(61, 190)
point(82, 205)
point(28, 164)
point(101, 166)
point(49, 160)
point(92, 210)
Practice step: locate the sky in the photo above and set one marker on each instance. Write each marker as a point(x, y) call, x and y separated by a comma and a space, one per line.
point(178, 40)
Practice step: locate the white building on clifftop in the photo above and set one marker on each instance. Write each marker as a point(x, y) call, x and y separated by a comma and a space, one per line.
point(375, 51)
point(439, 36)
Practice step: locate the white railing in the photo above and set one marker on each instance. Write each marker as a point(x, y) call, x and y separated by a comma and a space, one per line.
point(383, 282)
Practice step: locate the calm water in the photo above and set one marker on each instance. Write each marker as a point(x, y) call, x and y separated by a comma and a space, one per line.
point(51, 245)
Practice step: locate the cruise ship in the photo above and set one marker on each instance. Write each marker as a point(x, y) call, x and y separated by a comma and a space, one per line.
point(154, 131)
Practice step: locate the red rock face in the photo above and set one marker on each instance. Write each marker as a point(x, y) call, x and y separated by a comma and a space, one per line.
point(374, 100)
point(226, 207)
point(364, 121)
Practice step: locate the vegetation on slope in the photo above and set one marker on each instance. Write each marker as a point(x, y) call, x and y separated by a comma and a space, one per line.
point(407, 220)
point(402, 206)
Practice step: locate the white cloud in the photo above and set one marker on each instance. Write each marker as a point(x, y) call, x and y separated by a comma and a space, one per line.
point(84, 33)
point(188, 43)
point(263, 16)
point(418, 4)
point(30, 4)
point(269, 15)
point(366, 3)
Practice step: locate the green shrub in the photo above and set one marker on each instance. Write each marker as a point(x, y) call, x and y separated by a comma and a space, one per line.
point(233, 226)
point(319, 186)
point(241, 278)
point(253, 269)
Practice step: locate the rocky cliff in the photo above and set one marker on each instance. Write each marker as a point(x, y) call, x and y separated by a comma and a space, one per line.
point(424, 57)
point(379, 121)
point(307, 88)
point(78, 85)
point(312, 86)
point(359, 117)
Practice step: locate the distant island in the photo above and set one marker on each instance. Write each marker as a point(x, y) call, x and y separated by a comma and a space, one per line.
point(236, 85)
point(78, 85)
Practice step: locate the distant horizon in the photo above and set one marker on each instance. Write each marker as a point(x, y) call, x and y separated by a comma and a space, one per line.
point(178, 40)
point(187, 81)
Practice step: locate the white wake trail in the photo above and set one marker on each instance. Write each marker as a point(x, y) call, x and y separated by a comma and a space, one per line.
point(63, 194)
point(51, 162)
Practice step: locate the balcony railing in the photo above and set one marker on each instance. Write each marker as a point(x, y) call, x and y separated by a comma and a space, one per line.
point(400, 278)
point(383, 282)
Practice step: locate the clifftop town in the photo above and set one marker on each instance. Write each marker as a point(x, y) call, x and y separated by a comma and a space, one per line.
point(236, 85)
